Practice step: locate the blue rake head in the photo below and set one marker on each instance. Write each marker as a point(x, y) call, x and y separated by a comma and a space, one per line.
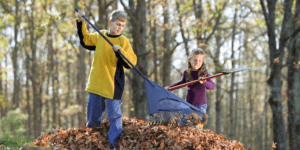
point(167, 104)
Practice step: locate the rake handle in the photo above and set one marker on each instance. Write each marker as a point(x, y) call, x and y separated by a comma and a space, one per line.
point(192, 82)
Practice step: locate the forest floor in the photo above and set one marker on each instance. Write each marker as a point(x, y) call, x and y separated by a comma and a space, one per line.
point(137, 134)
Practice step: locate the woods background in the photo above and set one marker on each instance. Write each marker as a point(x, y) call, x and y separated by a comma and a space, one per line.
point(44, 70)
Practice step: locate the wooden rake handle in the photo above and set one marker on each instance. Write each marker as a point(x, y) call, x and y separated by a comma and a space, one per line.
point(195, 81)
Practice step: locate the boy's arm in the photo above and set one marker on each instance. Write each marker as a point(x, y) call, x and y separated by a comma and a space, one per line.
point(127, 51)
point(87, 40)
point(209, 84)
point(183, 80)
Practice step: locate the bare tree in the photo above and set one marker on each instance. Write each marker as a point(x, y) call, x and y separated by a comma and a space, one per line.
point(16, 93)
point(276, 59)
point(36, 70)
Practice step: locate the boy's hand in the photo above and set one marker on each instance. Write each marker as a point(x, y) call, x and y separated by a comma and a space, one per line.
point(116, 48)
point(201, 81)
point(80, 15)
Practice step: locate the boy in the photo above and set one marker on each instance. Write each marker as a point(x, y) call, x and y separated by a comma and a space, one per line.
point(106, 80)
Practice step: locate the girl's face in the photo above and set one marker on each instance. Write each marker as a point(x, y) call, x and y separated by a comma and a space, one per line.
point(196, 61)
point(116, 27)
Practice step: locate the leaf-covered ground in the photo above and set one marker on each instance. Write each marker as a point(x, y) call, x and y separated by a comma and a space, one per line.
point(137, 134)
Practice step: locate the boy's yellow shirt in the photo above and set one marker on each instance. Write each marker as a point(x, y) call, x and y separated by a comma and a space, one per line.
point(107, 74)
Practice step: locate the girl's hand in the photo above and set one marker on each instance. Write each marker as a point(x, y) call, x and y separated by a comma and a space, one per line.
point(116, 47)
point(80, 15)
point(201, 81)
point(167, 87)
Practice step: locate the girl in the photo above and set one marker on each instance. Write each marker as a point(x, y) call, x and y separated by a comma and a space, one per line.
point(197, 92)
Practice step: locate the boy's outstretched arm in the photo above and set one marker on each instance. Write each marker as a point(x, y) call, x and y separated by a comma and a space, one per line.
point(87, 40)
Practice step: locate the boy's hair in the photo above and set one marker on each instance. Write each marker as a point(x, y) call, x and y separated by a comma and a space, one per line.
point(202, 72)
point(118, 15)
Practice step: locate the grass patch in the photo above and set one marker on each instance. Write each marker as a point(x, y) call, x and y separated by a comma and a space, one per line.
point(15, 143)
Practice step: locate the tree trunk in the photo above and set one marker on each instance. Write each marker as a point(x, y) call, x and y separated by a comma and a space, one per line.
point(231, 109)
point(209, 111)
point(82, 85)
point(154, 44)
point(266, 125)
point(47, 100)
point(245, 127)
point(167, 54)
point(244, 123)
point(77, 85)
point(38, 77)
point(293, 93)
point(28, 97)
point(265, 122)
point(68, 97)
point(276, 58)
point(36, 102)
point(56, 91)
point(5, 86)
point(138, 30)
point(198, 15)
point(81, 98)
point(219, 100)
point(237, 101)
point(36, 89)
point(16, 93)
point(250, 99)
point(101, 13)
point(52, 73)
point(1, 92)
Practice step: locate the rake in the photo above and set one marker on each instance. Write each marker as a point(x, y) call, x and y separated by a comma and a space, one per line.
point(213, 76)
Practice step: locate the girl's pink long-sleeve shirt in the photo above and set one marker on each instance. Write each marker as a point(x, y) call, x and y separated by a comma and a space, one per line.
point(196, 92)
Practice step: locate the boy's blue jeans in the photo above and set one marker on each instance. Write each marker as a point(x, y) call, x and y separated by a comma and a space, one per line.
point(95, 111)
point(201, 107)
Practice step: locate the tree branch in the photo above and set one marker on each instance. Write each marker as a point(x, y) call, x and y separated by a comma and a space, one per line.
point(174, 48)
point(294, 33)
point(178, 70)
point(5, 7)
point(216, 25)
point(109, 3)
point(133, 18)
point(262, 3)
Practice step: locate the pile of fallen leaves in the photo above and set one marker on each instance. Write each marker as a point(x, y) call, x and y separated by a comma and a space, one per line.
point(137, 134)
